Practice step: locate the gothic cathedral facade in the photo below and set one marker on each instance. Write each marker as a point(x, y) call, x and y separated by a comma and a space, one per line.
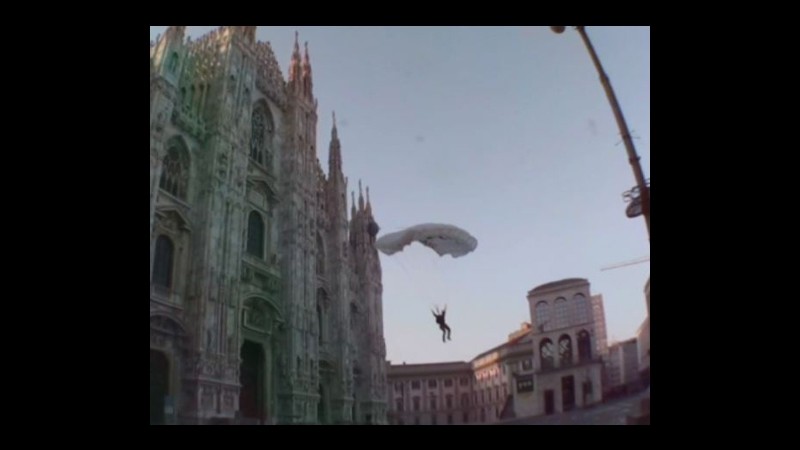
point(265, 296)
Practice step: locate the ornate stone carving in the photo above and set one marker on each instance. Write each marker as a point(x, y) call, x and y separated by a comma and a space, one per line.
point(207, 368)
point(256, 318)
point(168, 221)
point(262, 280)
point(269, 78)
point(228, 402)
point(231, 342)
point(161, 117)
point(164, 325)
point(283, 367)
point(157, 339)
point(232, 373)
point(227, 170)
point(207, 397)
point(239, 177)
point(222, 165)
point(210, 340)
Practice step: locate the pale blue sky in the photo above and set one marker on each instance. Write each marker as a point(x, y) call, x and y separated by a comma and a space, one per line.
point(503, 131)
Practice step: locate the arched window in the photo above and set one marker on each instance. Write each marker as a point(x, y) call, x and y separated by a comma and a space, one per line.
point(173, 62)
point(175, 172)
point(582, 311)
point(262, 133)
point(319, 322)
point(546, 354)
point(564, 350)
point(320, 256)
point(321, 315)
point(560, 313)
point(255, 235)
point(162, 265)
point(542, 312)
point(584, 346)
point(353, 315)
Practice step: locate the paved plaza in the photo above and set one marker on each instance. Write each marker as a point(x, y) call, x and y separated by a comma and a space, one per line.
point(614, 412)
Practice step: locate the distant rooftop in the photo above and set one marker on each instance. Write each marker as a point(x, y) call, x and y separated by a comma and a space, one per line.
point(560, 283)
point(413, 369)
point(457, 366)
point(510, 343)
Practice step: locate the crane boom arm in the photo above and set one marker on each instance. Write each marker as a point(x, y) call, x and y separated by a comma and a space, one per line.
point(627, 263)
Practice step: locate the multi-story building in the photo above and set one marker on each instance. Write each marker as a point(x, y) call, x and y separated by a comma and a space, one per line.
point(643, 338)
point(641, 416)
point(599, 319)
point(567, 363)
point(622, 365)
point(497, 373)
point(265, 296)
point(525, 376)
point(481, 391)
point(429, 394)
point(494, 386)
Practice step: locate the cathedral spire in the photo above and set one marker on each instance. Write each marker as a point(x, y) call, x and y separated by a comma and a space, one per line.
point(248, 34)
point(372, 226)
point(353, 205)
point(308, 83)
point(306, 61)
point(334, 134)
point(175, 33)
point(334, 154)
point(360, 197)
point(169, 53)
point(294, 66)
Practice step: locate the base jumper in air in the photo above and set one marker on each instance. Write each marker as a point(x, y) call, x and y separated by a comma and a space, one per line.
point(440, 320)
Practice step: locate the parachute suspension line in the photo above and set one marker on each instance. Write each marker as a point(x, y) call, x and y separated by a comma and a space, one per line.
point(398, 259)
point(429, 293)
point(443, 239)
point(402, 266)
point(444, 288)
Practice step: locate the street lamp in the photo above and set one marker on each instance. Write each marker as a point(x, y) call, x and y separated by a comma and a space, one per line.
point(641, 185)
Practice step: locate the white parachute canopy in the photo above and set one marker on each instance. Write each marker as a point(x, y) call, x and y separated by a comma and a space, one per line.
point(443, 239)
